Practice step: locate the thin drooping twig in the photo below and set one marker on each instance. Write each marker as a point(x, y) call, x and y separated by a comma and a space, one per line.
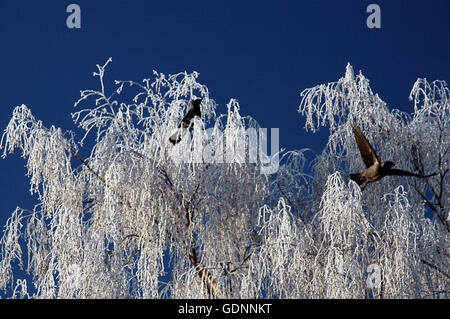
point(246, 257)
point(429, 264)
point(77, 156)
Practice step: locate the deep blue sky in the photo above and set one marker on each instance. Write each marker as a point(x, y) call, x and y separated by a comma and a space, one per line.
point(264, 53)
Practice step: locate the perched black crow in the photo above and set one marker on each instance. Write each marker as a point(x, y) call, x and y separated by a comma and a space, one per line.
point(376, 170)
point(194, 110)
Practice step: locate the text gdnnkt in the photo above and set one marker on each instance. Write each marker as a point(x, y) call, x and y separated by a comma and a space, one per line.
point(226, 308)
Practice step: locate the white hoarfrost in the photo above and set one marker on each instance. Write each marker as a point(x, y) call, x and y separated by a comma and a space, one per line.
point(137, 217)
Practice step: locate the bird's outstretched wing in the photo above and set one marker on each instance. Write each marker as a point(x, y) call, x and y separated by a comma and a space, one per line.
point(400, 172)
point(365, 149)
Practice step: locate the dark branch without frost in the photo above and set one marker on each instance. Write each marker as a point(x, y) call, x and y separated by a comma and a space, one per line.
point(77, 156)
point(208, 281)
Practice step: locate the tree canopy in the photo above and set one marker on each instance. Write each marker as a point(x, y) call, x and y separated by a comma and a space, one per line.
point(206, 218)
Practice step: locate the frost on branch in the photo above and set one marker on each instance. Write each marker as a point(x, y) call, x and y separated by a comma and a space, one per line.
point(344, 248)
point(109, 226)
point(418, 143)
point(141, 218)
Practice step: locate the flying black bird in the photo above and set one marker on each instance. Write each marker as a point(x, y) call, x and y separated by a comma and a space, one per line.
point(194, 110)
point(376, 170)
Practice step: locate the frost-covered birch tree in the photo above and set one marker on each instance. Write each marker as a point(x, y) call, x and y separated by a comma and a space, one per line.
point(398, 224)
point(141, 218)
